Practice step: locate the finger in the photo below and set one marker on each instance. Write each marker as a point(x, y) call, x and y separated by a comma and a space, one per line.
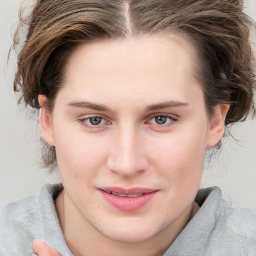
point(42, 249)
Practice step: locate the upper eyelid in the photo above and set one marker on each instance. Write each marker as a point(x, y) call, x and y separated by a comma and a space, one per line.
point(173, 116)
point(86, 116)
point(168, 116)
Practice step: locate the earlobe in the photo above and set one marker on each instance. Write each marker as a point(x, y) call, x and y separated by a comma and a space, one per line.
point(217, 124)
point(45, 121)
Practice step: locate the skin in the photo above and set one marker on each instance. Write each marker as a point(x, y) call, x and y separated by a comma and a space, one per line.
point(41, 248)
point(152, 133)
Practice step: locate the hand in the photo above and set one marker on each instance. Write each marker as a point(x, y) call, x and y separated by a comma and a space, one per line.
point(42, 249)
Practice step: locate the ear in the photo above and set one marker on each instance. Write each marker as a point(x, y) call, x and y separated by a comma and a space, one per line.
point(217, 125)
point(45, 121)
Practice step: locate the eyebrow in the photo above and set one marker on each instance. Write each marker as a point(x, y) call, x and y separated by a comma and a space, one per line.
point(167, 104)
point(90, 105)
point(99, 107)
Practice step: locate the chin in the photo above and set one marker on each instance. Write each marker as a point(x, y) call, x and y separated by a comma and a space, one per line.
point(130, 237)
point(128, 233)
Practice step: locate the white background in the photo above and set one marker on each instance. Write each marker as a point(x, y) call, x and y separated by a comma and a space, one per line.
point(234, 169)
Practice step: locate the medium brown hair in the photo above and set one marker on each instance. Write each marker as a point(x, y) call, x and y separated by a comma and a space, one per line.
point(219, 30)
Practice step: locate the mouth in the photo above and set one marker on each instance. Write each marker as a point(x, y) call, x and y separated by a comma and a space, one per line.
point(124, 195)
point(128, 199)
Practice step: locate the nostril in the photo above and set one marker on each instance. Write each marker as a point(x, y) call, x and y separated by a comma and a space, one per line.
point(127, 166)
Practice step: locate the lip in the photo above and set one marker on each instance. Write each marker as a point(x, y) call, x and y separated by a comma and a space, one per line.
point(130, 199)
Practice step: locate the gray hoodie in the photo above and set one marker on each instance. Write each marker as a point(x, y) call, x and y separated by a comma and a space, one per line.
point(216, 229)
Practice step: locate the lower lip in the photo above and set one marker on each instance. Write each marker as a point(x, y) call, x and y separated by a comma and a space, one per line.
point(128, 204)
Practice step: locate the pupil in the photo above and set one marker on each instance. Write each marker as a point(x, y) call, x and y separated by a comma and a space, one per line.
point(95, 120)
point(161, 119)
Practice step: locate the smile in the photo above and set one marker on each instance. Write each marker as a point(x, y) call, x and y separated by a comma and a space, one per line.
point(128, 199)
point(124, 195)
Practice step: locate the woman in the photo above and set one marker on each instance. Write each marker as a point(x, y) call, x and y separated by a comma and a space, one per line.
point(131, 95)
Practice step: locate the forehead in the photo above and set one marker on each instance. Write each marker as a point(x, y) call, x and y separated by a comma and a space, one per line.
point(148, 65)
point(127, 55)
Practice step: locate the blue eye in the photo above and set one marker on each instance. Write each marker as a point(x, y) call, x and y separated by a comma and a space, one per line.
point(162, 119)
point(93, 121)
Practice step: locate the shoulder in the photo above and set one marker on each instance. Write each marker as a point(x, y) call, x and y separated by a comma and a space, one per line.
point(235, 230)
point(15, 225)
point(22, 221)
point(240, 221)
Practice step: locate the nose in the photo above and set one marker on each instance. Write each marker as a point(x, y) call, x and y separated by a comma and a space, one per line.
point(127, 157)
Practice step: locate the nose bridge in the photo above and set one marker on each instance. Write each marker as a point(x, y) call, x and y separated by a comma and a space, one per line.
point(127, 156)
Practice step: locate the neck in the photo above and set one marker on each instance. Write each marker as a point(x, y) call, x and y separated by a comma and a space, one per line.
point(83, 239)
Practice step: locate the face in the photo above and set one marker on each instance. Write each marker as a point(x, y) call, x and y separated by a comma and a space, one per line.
point(130, 129)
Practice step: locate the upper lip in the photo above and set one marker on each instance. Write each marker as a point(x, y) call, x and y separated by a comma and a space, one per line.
point(128, 191)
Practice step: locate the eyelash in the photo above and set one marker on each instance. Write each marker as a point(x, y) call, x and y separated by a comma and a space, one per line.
point(87, 119)
point(164, 116)
point(84, 121)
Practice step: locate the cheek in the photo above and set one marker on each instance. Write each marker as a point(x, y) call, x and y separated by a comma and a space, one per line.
point(79, 156)
point(181, 157)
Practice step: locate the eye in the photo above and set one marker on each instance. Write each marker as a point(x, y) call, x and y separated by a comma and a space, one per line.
point(162, 120)
point(93, 121)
